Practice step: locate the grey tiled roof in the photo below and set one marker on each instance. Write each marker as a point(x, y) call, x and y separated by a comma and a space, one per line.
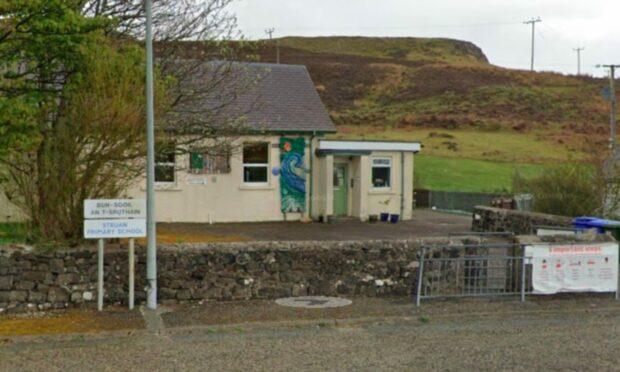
point(270, 97)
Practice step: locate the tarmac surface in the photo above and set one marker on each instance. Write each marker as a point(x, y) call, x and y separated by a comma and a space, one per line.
point(425, 223)
point(565, 333)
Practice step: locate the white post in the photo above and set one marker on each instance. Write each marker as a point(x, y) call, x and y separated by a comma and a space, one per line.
point(131, 273)
point(100, 276)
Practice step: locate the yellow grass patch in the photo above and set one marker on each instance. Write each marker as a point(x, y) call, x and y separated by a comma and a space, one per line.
point(165, 236)
point(72, 321)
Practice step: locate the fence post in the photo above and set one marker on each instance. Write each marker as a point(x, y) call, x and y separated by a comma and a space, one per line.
point(420, 276)
point(522, 274)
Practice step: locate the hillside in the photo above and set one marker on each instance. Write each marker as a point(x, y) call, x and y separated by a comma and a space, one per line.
point(444, 84)
point(447, 95)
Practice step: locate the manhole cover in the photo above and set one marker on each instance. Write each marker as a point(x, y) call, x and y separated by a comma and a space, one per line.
point(313, 302)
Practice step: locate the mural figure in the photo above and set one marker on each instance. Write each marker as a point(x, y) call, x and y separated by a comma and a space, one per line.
point(292, 175)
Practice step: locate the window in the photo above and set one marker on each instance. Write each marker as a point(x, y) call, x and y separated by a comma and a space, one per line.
point(381, 172)
point(200, 163)
point(256, 162)
point(164, 167)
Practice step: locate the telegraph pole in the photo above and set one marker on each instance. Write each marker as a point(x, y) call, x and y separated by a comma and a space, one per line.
point(533, 22)
point(270, 32)
point(612, 99)
point(578, 50)
point(151, 247)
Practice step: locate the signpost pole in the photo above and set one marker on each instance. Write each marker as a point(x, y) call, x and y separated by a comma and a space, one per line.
point(131, 273)
point(100, 276)
point(151, 244)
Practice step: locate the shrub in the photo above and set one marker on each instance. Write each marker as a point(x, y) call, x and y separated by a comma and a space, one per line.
point(567, 190)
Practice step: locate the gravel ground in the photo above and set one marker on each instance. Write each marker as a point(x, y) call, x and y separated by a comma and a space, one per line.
point(545, 336)
point(425, 223)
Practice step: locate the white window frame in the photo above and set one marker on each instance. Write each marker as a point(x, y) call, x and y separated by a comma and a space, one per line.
point(373, 166)
point(257, 165)
point(174, 171)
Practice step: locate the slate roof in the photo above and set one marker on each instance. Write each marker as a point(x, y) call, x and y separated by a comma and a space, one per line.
point(271, 98)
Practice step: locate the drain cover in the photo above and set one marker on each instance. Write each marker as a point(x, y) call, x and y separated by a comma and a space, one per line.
point(313, 302)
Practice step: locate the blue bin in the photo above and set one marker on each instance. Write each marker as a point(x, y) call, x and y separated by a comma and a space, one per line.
point(586, 223)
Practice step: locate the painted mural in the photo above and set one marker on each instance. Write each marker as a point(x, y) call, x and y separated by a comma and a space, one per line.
point(292, 174)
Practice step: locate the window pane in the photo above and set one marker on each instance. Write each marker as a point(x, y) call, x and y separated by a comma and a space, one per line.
point(164, 173)
point(380, 177)
point(219, 163)
point(195, 161)
point(256, 153)
point(338, 177)
point(255, 174)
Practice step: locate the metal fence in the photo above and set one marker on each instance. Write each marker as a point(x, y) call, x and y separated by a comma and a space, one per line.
point(477, 270)
point(473, 271)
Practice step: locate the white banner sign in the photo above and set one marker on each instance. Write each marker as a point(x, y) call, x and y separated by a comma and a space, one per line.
point(114, 208)
point(591, 267)
point(113, 228)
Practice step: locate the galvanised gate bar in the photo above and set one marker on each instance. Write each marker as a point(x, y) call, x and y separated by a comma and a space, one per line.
point(474, 270)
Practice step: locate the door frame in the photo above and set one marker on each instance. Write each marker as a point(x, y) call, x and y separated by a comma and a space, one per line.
point(345, 167)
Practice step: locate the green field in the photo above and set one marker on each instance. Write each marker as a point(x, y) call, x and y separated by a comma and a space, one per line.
point(470, 160)
point(467, 175)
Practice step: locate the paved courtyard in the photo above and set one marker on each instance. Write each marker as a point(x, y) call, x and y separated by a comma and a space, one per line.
point(425, 223)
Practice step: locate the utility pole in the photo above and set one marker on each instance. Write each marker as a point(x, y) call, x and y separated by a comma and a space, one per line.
point(578, 50)
point(270, 32)
point(151, 237)
point(612, 99)
point(533, 22)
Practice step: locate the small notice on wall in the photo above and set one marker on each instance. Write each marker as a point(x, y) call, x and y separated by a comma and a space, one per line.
point(574, 268)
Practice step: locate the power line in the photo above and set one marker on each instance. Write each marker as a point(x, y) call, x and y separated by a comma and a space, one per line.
point(533, 22)
point(612, 99)
point(270, 32)
point(578, 50)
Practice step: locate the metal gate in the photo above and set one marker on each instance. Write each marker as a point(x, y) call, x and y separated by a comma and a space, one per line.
point(474, 270)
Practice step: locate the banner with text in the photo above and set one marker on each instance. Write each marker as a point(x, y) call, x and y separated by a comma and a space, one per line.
point(591, 267)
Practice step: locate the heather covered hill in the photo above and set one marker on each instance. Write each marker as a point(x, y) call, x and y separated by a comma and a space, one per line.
point(446, 94)
point(433, 83)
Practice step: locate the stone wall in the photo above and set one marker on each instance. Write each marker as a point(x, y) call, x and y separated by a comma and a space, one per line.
point(520, 222)
point(31, 280)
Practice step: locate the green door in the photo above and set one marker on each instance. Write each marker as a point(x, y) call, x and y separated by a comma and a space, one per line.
point(340, 190)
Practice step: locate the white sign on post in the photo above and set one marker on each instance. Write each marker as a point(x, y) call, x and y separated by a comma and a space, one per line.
point(106, 229)
point(114, 218)
point(591, 267)
point(114, 208)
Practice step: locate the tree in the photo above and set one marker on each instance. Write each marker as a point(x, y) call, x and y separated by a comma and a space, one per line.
point(43, 46)
point(72, 102)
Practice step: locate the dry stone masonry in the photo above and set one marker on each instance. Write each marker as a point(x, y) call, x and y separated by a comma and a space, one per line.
point(32, 280)
point(519, 222)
